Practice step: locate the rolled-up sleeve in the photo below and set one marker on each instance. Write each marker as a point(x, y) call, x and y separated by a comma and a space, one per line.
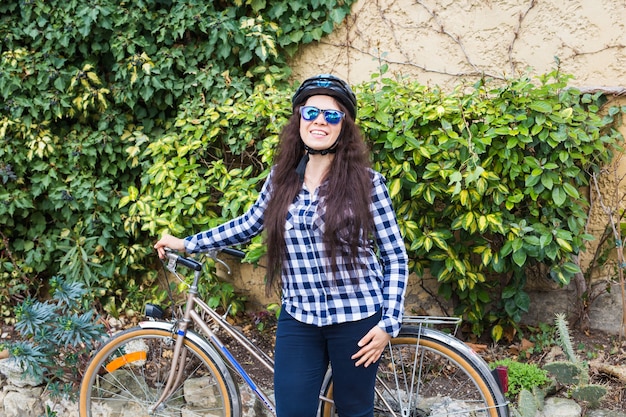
point(393, 257)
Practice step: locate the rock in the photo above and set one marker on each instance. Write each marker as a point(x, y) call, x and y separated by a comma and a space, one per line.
point(65, 408)
point(252, 406)
point(200, 392)
point(605, 413)
point(22, 403)
point(607, 302)
point(561, 407)
point(16, 375)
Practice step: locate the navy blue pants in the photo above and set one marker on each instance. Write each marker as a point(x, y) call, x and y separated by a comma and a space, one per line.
point(302, 355)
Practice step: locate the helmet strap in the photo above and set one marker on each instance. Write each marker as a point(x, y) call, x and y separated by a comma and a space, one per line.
point(301, 168)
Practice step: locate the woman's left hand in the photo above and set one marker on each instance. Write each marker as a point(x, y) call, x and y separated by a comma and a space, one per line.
point(372, 346)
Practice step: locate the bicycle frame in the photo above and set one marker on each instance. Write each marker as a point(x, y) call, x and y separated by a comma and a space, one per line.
point(191, 316)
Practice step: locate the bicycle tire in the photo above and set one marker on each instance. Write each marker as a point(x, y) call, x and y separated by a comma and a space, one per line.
point(451, 381)
point(127, 375)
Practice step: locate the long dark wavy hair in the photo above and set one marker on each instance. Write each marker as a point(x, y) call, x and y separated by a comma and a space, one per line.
point(347, 196)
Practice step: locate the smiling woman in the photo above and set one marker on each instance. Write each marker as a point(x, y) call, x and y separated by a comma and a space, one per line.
point(335, 253)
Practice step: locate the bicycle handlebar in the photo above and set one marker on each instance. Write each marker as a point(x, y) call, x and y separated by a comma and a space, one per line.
point(195, 265)
point(181, 260)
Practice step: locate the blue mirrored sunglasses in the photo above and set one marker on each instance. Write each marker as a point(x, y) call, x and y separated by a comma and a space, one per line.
point(310, 113)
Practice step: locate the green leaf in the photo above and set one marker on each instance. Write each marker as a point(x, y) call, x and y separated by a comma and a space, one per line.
point(497, 332)
point(468, 221)
point(541, 106)
point(559, 196)
point(522, 301)
point(395, 187)
point(571, 267)
point(439, 240)
point(337, 14)
point(570, 190)
point(532, 180)
point(564, 244)
point(257, 5)
point(519, 257)
point(509, 292)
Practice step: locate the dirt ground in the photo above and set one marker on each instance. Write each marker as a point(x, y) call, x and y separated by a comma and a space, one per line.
point(605, 354)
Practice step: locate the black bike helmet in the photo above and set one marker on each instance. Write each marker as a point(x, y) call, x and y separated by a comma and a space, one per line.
point(328, 85)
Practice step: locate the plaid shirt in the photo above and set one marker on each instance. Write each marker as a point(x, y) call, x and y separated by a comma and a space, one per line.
point(307, 292)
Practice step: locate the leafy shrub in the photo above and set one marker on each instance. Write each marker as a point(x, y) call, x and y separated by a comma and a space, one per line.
point(486, 182)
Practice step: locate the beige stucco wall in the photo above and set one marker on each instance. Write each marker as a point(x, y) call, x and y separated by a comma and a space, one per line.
point(446, 42)
point(453, 42)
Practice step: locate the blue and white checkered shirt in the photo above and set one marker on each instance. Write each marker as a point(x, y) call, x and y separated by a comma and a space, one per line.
point(309, 293)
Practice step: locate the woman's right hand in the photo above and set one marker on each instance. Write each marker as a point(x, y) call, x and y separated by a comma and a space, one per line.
point(169, 241)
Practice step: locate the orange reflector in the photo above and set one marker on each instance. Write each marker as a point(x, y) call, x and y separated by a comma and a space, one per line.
point(125, 359)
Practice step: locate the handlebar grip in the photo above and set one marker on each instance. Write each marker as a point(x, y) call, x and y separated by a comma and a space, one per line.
point(234, 252)
point(189, 263)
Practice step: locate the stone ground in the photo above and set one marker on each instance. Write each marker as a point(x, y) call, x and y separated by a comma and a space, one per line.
point(29, 401)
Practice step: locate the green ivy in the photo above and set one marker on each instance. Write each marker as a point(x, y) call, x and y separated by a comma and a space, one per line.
point(85, 87)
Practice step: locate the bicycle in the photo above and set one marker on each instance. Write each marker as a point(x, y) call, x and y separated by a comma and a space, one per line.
point(170, 368)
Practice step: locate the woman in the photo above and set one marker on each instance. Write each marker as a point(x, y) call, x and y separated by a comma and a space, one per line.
point(334, 250)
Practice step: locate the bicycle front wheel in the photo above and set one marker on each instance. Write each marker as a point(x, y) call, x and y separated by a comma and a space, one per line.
point(128, 374)
point(427, 373)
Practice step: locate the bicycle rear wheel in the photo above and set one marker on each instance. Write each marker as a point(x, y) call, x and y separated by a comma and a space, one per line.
point(128, 374)
point(428, 373)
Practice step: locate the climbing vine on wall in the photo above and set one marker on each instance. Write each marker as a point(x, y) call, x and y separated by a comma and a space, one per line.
point(85, 86)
